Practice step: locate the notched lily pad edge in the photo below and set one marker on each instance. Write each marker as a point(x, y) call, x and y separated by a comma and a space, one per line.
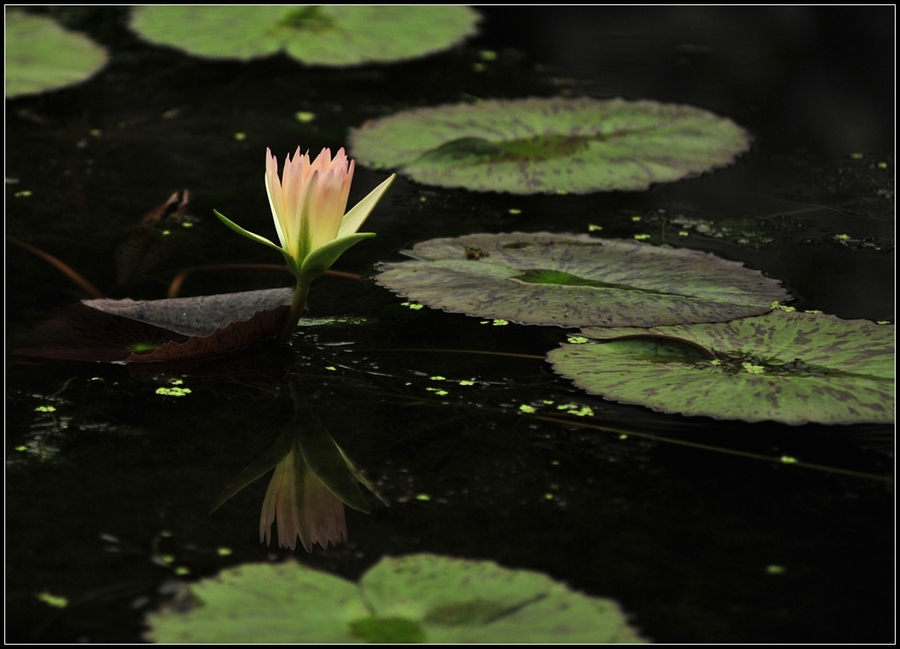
point(539, 150)
point(539, 276)
point(702, 354)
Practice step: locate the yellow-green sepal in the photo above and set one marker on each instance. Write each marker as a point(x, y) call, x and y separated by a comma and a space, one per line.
point(354, 219)
point(291, 263)
point(320, 260)
point(250, 235)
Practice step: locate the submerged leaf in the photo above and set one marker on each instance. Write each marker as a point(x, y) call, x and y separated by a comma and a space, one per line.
point(577, 280)
point(149, 243)
point(790, 367)
point(417, 598)
point(320, 35)
point(533, 146)
point(80, 333)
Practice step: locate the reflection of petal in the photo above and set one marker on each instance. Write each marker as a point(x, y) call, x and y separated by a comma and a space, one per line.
point(278, 491)
point(281, 504)
point(289, 501)
point(302, 506)
point(321, 516)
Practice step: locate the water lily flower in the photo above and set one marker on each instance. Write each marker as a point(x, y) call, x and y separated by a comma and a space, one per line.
point(308, 204)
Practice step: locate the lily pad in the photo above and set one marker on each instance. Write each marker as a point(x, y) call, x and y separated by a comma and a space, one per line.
point(319, 35)
point(41, 55)
point(576, 280)
point(417, 598)
point(129, 331)
point(558, 145)
point(790, 367)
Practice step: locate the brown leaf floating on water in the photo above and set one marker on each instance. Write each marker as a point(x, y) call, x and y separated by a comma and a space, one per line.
point(128, 331)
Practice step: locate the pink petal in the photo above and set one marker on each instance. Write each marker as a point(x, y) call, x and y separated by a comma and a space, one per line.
point(322, 517)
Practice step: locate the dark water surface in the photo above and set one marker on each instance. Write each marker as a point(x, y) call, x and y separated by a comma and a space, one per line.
point(107, 496)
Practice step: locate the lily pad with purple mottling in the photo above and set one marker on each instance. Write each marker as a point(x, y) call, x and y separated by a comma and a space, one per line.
point(790, 367)
point(556, 145)
point(330, 35)
point(577, 280)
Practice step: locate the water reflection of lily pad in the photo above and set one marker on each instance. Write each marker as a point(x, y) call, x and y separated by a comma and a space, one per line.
point(320, 35)
point(792, 367)
point(418, 598)
point(532, 146)
point(577, 280)
point(41, 55)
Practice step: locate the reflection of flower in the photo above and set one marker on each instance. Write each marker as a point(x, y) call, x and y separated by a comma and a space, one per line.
point(303, 505)
point(313, 481)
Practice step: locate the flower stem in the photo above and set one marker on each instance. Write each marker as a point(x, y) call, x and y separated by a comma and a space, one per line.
point(297, 311)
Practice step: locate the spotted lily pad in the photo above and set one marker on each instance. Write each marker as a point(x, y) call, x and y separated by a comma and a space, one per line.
point(320, 35)
point(577, 280)
point(417, 598)
point(41, 55)
point(791, 367)
point(558, 145)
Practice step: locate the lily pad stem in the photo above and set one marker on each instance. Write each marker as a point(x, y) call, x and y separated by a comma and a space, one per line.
point(298, 310)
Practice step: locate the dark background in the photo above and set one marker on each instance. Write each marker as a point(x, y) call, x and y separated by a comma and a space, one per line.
point(681, 537)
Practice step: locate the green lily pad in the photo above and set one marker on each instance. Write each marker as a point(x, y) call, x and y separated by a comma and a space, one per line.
point(790, 367)
point(319, 35)
point(417, 598)
point(534, 146)
point(41, 55)
point(576, 280)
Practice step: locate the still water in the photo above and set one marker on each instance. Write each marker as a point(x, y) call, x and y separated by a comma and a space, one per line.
point(109, 483)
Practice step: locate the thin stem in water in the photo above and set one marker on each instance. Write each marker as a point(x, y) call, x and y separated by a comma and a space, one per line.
point(298, 309)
